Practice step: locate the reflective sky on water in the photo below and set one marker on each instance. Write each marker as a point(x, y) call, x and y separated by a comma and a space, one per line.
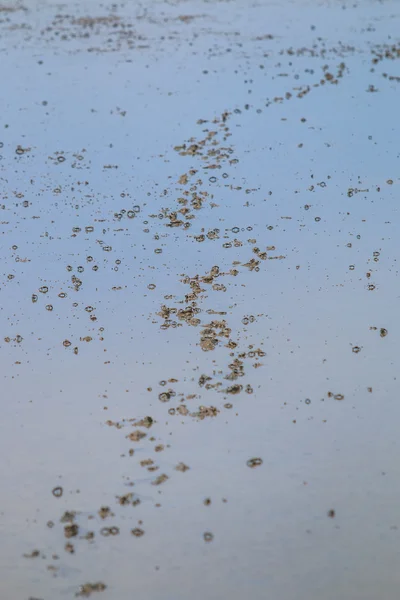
point(198, 300)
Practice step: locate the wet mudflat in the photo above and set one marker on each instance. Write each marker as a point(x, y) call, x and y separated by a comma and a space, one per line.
point(199, 300)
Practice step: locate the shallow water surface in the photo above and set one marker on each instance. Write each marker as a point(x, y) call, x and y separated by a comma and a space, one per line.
point(199, 294)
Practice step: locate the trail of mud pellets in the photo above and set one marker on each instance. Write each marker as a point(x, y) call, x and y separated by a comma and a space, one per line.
point(212, 157)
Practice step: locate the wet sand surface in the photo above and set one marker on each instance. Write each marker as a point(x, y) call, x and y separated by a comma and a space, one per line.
point(199, 300)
